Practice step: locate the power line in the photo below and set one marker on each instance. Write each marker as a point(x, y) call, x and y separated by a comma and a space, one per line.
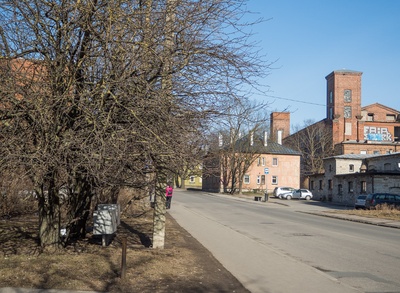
point(294, 100)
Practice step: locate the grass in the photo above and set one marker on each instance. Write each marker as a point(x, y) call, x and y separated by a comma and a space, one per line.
point(382, 212)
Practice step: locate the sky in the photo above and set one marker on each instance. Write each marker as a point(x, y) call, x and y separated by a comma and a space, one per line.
point(308, 39)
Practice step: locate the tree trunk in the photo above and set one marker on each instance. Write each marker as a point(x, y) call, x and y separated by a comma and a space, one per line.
point(159, 218)
point(49, 218)
point(80, 199)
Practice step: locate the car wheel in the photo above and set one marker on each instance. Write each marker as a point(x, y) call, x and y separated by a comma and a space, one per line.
point(308, 197)
point(288, 197)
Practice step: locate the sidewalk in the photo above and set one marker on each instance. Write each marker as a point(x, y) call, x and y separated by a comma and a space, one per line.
point(324, 213)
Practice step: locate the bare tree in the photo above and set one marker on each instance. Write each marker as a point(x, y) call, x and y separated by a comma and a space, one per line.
point(314, 142)
point(245, 124)
point(97, 95)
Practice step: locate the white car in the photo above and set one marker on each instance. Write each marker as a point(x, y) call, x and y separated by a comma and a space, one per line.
point(298, 193)
point(278, 191)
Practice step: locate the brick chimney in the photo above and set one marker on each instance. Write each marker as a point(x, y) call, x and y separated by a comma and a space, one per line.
point(280, 126)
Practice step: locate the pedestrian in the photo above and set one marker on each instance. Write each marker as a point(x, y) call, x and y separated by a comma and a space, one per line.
point(168, 194)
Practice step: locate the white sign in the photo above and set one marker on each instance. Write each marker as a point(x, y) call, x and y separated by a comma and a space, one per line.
point(377, 133)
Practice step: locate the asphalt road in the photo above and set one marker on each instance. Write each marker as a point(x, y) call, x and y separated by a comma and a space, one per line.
point(274, 247)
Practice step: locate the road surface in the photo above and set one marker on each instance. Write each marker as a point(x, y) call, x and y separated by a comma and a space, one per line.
point(275, 247)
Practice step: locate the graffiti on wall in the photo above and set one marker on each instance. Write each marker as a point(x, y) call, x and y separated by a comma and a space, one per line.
point(377, 133)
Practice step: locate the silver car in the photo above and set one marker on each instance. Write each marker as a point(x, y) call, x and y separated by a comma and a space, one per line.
point(360, 202)
point(298, 193)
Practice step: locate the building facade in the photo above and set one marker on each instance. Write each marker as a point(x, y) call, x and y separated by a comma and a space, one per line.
point(275, 165)
point(347, 176)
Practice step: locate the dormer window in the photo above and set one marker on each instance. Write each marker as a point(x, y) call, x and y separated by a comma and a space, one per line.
point(390, 117)
point(351, 168)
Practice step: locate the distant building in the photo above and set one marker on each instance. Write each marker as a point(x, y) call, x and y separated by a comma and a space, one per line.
point(276, 165)
point(347, 176)
point(352, 128)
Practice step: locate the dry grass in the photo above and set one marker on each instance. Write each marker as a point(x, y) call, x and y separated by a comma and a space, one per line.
point(382, 211)
point(183, 266)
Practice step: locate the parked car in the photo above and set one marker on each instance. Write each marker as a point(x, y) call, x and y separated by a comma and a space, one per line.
point(298, 193)
point(360, 202)
point(279, 190)
point(375, 199)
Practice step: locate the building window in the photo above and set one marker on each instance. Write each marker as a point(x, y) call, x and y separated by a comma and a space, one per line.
point(330, 186)
point(377, 152)
point(363, 186)
point(320, 185)
point(263, 161)
point(262, 179)
point(258, 161)
point(347, 96)
point(347, 112)
point(350, 186)
point(192, 179)
point(363, 152)
point(351, 168)
point(370, 117)
point(330, 168)
point(258, 179)
point(340, 189)
point(390, 117)
point(246, 179)
point(274, 180)
point(274, 161)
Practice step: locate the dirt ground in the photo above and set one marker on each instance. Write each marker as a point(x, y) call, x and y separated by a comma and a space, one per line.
point(183, 266)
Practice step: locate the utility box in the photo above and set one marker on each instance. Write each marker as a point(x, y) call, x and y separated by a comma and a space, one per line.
point(104, 222)
point(109, 207)
point(106, 219)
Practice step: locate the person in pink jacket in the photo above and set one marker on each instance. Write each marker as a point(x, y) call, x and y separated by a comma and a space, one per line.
point(168, 194)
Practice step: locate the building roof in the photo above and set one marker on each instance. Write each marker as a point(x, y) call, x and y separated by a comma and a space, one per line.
point(276, 148)
point(353, 156)
point(380, 106)
point(258, 147)
point(344, 71)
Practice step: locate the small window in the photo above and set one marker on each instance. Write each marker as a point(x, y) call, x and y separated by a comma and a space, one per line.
point(246, 179)
point(340, 189)
point(263, 161)
point(258, 161)
point(320, 185)
point(363, 152)
point(262, 179)
point(192, 179)
point(387, 167)
point(274, 180)
point(351, 168)
point(330, 168)
point(370, 117)
point(330, 186)
point(258, 179)
point(390, 117)
point(350, 185)
point(377, 152)
point(363, 186)
point(274, 161)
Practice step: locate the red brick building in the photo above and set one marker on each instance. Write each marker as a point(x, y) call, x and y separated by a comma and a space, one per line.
point(355, 129)
point(351, 128)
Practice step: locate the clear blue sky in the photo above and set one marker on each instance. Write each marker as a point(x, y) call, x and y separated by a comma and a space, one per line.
point(311, 38)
